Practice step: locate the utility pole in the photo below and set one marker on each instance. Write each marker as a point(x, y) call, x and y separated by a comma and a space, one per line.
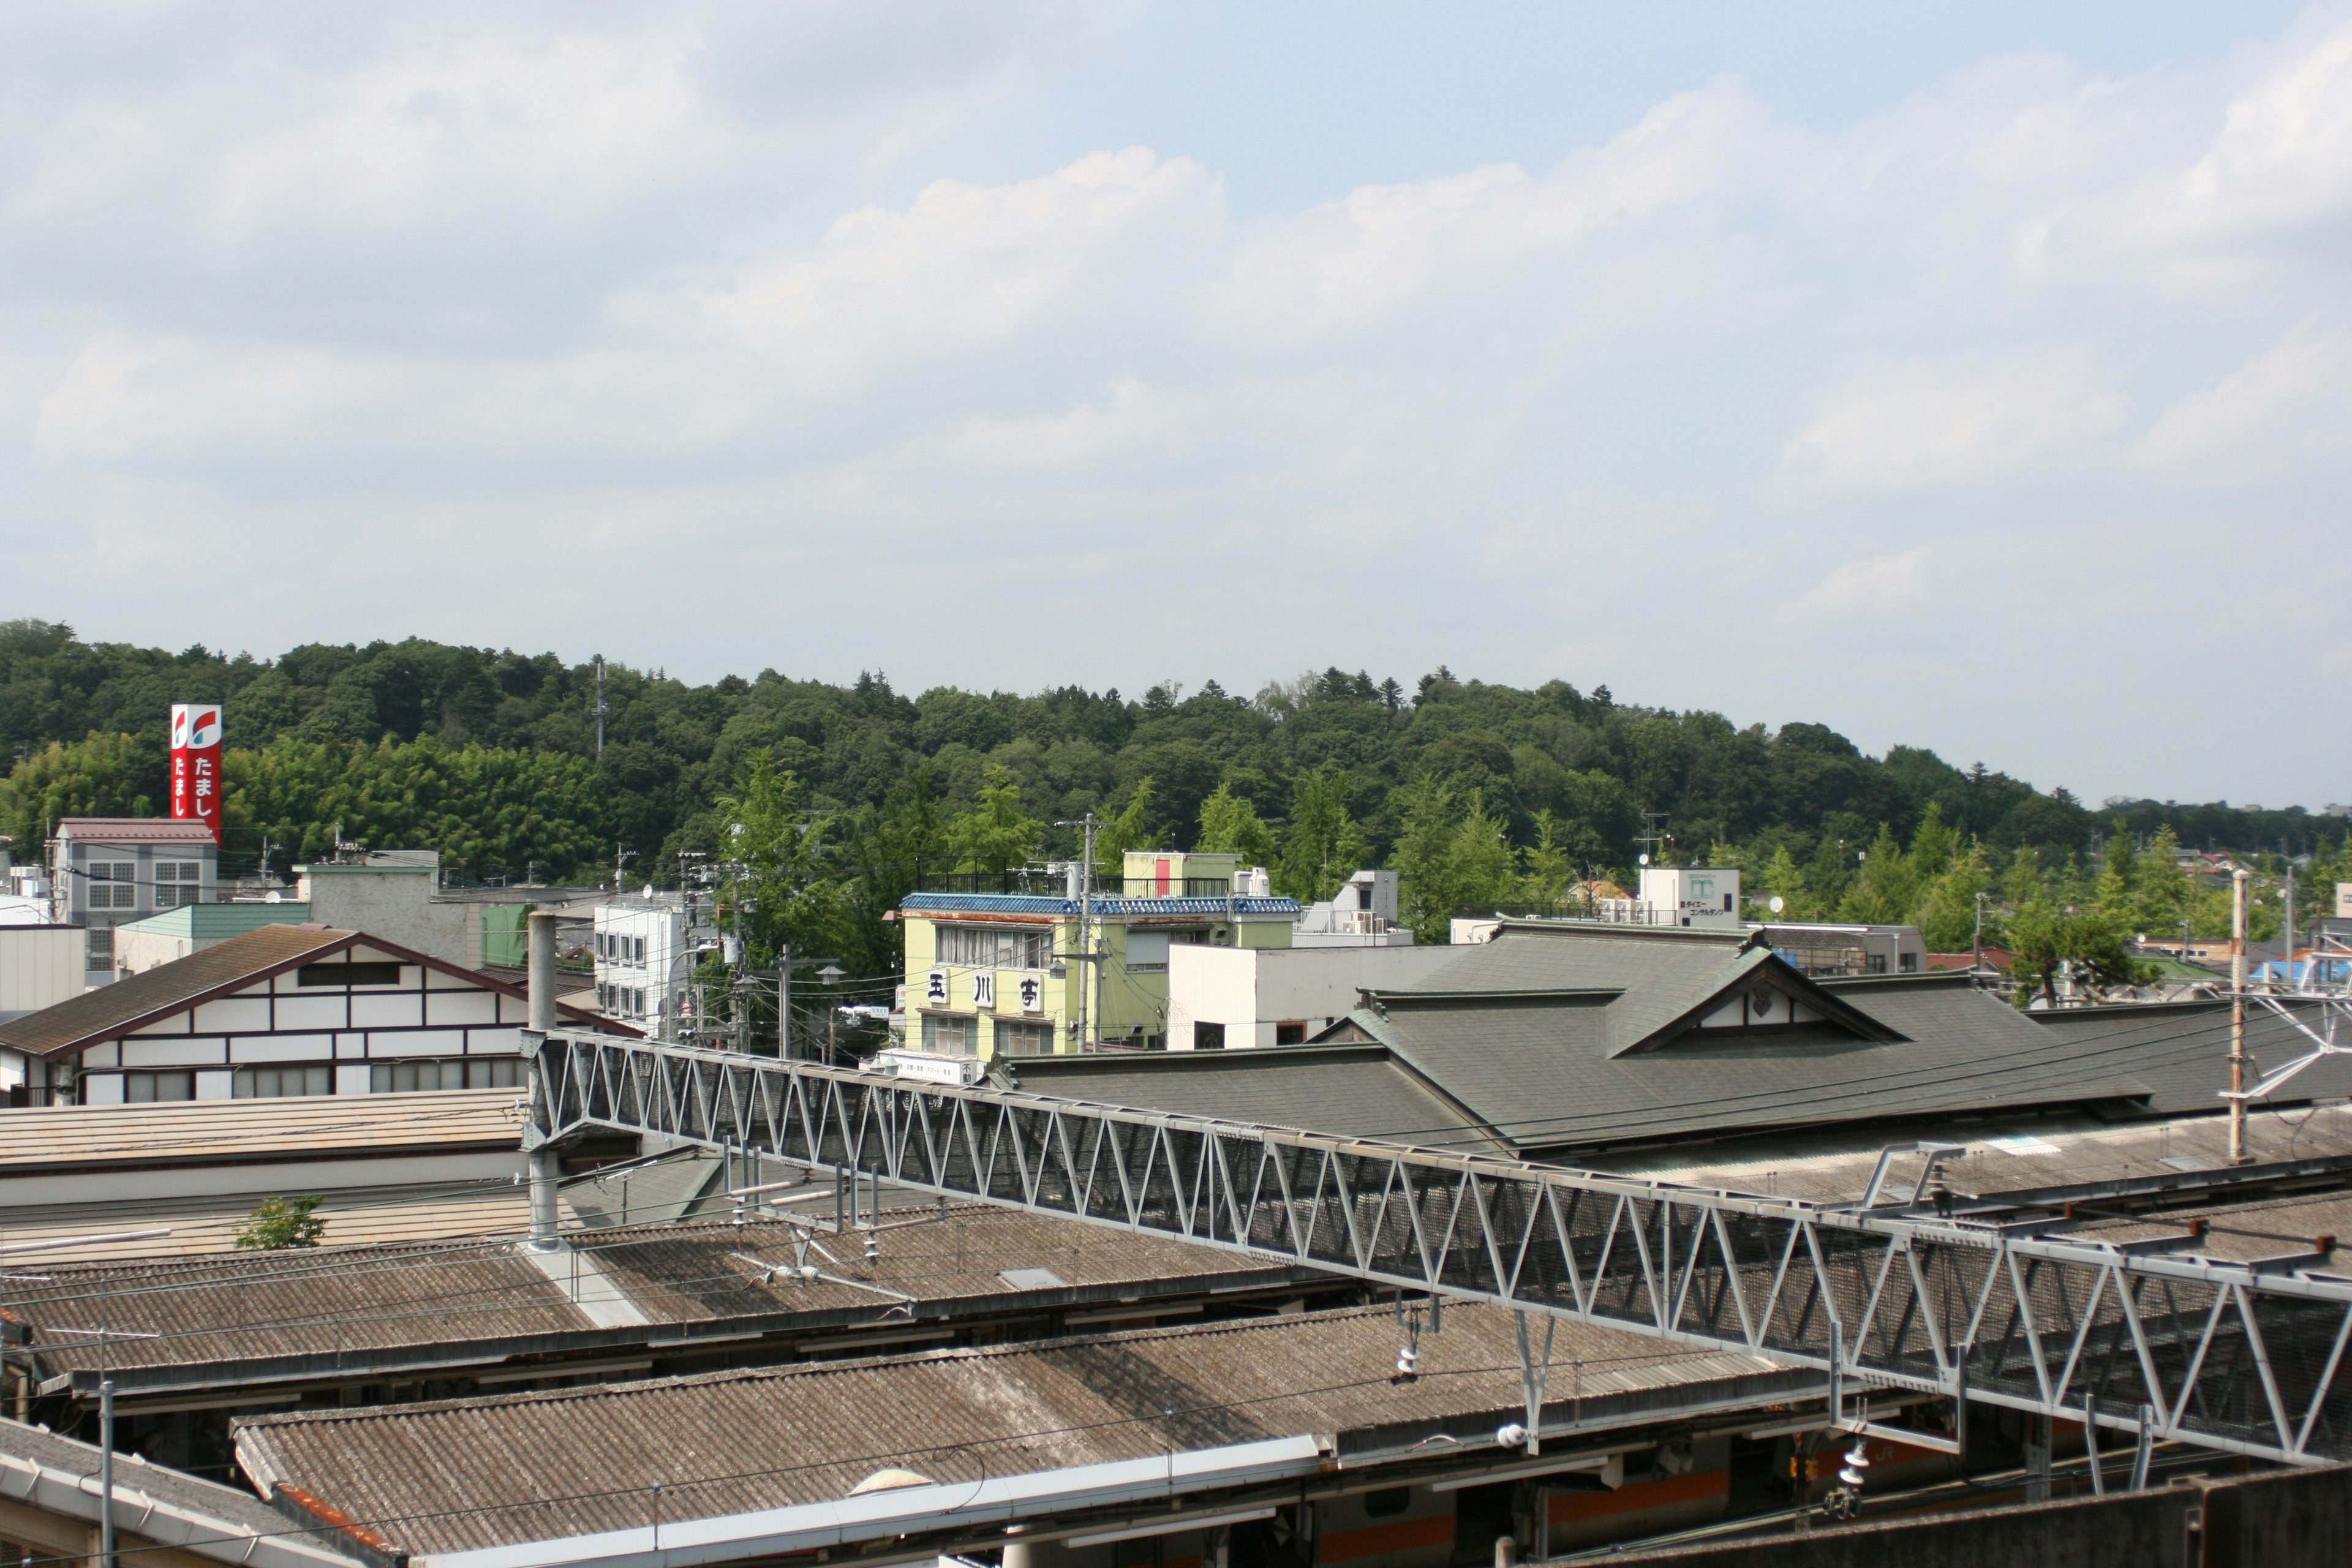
point(600, 707)
point(2238, 1017)
point(106, 1555)
point(1085, 919)
point(2286, 975)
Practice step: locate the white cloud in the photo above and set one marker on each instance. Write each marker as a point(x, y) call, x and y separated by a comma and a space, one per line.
point(1905, 426)
point(2287, 405)
point(573, 293)
point(1878, 586)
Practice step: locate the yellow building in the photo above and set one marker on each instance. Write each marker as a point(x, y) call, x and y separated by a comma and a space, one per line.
point(1024, 975)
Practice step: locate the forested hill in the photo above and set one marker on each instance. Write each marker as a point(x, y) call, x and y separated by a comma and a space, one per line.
point(492, 757)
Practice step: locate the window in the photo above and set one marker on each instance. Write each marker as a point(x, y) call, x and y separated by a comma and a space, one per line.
point(279, 1083)
point(1024, 1040)
point(98, 948)
point(1877, 963)
point(138, 1088)
point(1208, 1037)
point(994, 947)
point(947, 1033)
point(1387, 1502)
point(470, 1072)
point(348, 975)
point(179, 872)
point(1910, 963)
point(168, 897)
point(113, 885)
point(637, 953)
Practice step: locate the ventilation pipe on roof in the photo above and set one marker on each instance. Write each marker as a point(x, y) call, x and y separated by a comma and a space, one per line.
point(546, 1167)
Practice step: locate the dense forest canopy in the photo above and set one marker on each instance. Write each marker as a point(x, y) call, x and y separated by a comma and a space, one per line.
point(1478, 792)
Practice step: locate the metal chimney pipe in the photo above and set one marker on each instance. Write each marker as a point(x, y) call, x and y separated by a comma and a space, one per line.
point(546, 1166)
point(542, 971)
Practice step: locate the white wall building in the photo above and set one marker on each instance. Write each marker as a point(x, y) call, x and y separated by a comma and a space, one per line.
point(1237, 998)
point(1362, 913)
point(644, 945)
point(1691, 894)
point(286, 1010)
point(40, 966)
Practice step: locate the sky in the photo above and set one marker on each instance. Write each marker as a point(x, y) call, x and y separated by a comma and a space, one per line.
point(1969, 376)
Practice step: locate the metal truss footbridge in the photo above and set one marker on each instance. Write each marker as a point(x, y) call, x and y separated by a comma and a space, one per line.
point(2242, 1357)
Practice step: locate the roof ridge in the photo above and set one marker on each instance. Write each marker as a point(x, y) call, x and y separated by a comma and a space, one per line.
point(746, 1374)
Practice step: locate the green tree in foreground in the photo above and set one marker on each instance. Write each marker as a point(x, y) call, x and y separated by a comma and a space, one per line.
point(996, 834)
point(281, 1223)
point(1324, 847)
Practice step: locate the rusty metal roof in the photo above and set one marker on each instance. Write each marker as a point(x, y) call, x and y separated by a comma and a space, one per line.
point(219, 1320)
point(249, 1131)
point(467, 1474)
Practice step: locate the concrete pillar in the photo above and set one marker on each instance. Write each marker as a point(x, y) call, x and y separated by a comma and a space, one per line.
point(546, 1167)
point(542, 971)
point(546, 1218)
point(1032, 1554)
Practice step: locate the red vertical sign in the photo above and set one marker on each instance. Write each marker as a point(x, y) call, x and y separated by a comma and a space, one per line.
point(196, 763)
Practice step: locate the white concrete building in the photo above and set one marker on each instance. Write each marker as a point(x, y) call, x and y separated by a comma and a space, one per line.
point(40, 966)
point(643, 950)
point(1362, 913)
point(1237, 998)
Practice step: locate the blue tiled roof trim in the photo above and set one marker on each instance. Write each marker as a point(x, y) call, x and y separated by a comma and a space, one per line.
point(1035, 904)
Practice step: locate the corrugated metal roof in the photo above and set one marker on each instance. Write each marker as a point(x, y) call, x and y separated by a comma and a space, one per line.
point(352, 1298)
point(70, 1137)
point(218, 919)
point(2042, 1154)
point(296, 1301)
point(237, 1516)
point(474, 1473)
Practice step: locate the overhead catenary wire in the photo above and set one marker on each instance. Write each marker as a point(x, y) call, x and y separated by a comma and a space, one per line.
point(382, 1522)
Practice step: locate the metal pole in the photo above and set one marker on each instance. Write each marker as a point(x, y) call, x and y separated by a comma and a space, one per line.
point(546, 1163)
point(105, 1471)
point(2287, 976)
point(2238, 1018)
point(1086, 913)
point(785, 1001)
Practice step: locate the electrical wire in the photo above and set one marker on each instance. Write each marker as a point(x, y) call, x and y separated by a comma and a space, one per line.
point(768, 1473)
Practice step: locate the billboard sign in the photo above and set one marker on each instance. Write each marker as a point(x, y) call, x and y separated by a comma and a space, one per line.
point(197, 764)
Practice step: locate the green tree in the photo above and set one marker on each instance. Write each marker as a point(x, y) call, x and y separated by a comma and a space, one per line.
point(2162, 891)
point(1323, 847)
point(2048, 943)
point(281, 1223)
point(97, 775)
point(1785, 879)
point(1881, 891)
point(1946, 914)
point(1423, 859)
point(1230, 824)
point(996, 834)
point(1550, 872)
point(2116, 888)
point(1130, 829)
point(1481, 867)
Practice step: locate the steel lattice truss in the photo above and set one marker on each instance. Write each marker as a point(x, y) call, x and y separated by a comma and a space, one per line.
point(2222, 1355)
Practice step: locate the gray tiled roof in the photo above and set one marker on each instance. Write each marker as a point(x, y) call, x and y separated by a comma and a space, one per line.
point(1357, 1091)
point(2181, 1050)
point(1532, 1034)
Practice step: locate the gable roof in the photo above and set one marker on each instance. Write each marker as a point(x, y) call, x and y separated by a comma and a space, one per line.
point(1547, 1035)
point(134, 830)
point(1360, 1091)
point(136, 1001)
